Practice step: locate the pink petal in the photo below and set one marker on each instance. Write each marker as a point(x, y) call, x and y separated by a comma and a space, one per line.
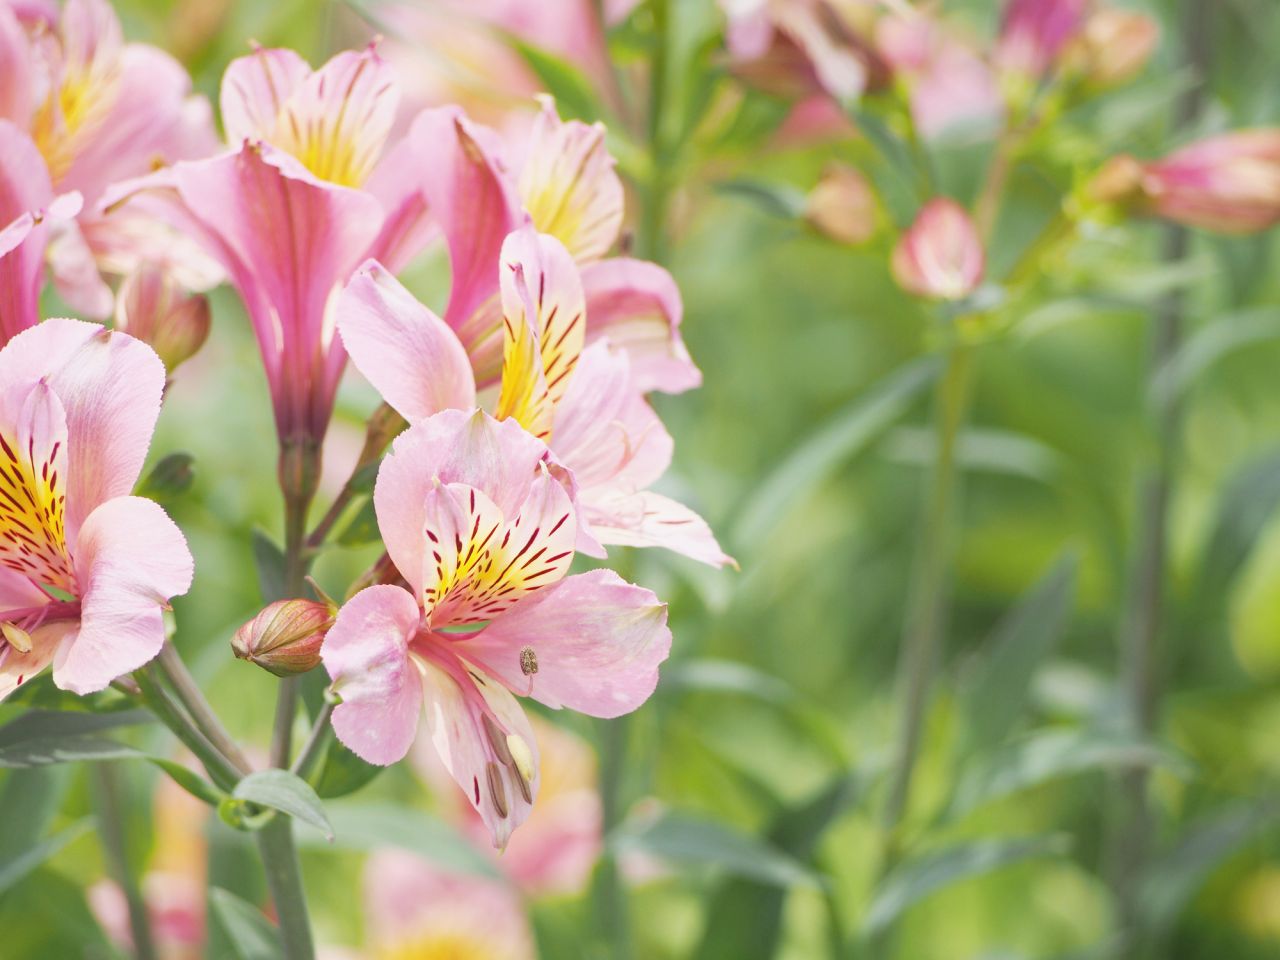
point(543, 313)
point(286, 275)
point(254, 91)
point(458, 701)
point(647, 519)
point(498, 458)
point(16, 96)
point(17, 668)
point(24, 190)
point(366, 655)
point(408, 353)
point(131, 559)
point(598, 641)
point(569, 186)
point(637, 306)
point(75, 273)
point(471, 196)
point(110, 386)
point(408, 227)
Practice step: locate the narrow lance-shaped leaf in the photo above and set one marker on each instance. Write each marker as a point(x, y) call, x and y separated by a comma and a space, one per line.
point(13, 870)
point(283, 791)
point(251, 935)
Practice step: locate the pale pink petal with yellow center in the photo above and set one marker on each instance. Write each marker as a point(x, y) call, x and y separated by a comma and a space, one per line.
point(596, 641)
point(109, 385)
point(569, 186)
point(637, 306)
point(254, 91)
point(544, 322)
point(409, 354)
point(366, 655)
point(130, 559)
point(336, 121)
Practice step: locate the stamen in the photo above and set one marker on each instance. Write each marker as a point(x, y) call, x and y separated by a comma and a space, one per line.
point(522, 757)
point(497, 792)
point(18, 638)
point(497, 739)
point(528, 661)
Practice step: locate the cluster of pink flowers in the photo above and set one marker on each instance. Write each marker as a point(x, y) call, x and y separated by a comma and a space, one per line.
point(530, 437)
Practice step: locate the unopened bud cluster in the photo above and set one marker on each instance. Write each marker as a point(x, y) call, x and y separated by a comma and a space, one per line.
point(285, 637)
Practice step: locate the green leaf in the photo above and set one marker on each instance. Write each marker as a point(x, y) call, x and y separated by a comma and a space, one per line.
point(40, 737)
point(343, 772)
point(29, 801)
point(192, 782)
point(574, 94)
point(362, 528)
point(1051, 754)
point(1246, 503)
point(283, 791)
point(1210, 344)
point(13, 870)
point(991, 451)
point(777, 199)
point(917, 879)
point(996, 692)
point(725, 676)
point(744, 917)
point(682, 838)
point(1173, 878)
point(841, 438)
point(268, 559)
point(367, 826)
point(170, 478)
point(252, 935)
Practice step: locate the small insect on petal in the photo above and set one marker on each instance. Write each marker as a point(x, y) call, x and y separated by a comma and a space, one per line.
point(528, 661)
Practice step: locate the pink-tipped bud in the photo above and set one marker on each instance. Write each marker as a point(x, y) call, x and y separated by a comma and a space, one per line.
point(842, 205)
point(153, 308)
point(285, 637)
point(940, 255)
point(1115, 46)
point(1034, 33)
point(1228, 183)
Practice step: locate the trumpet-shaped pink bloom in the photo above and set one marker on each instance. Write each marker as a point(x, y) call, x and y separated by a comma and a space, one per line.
point(480, 524)
point(99, 110)
point(568, 186)
point(86, 570)
point(1228, 183)
point(302, 198)
point(586, 403)
point(27, 206)
point(940, 255)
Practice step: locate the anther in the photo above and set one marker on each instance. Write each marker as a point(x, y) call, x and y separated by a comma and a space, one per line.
point(497, 792)
point(528, 661)
point(18, 638)
point(497, 740)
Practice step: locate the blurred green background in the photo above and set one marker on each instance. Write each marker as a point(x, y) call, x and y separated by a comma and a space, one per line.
point(779, 706)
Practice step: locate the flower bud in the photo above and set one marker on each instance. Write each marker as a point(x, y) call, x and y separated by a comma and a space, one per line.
point(285, 637)
point(1228, 183)
point(1119, 181)
point(1033, 33)
point(1114, 46)
point(842, 206)
point(940, 256)
point(153, 308)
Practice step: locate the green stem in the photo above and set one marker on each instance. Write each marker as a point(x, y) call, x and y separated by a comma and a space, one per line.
point(158, 700)
point(284, 880)
point(171, 667)
point(927, 611)
point(1142, 625)
point(609, 895)
point(313, 750)
point(111, 828)
point(652, 239)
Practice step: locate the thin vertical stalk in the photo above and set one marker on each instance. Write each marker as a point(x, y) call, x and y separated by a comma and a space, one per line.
point(111, 828)
point(927, 610)
point(653, 215)
point(1142, 624)
point(171, 667)
point(609, 895)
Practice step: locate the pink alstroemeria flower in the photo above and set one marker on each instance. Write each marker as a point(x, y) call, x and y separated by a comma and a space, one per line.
point(940, 255)
point(99, 110)
point(586, 404)
point(86, 570)
point(568, 186)
point(1034, 33)
point(27, 207)
point(303, 196)
point(478, 522)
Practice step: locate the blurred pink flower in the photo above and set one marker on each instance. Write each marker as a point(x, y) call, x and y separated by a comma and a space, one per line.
point(1034, 33)
point(415, 909)
point(151, 306)
point(1114, 46)
point(99, 110)
point(307, 157)
point(585, 404)
point(940, 255)
point(1228, 183)
point(953, 92)
point(568, 185)
point(78, 405)
point(479, 523)
point(27, 209)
